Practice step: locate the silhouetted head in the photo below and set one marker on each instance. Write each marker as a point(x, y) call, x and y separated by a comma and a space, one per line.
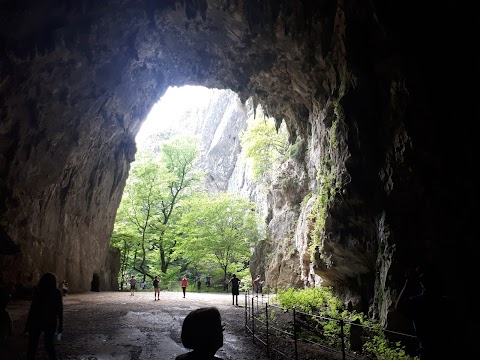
point(234, 276)
point(427, 279)
point(202, 331)
point(47, 281)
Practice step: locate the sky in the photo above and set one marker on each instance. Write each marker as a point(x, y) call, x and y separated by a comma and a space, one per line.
point(167, 107)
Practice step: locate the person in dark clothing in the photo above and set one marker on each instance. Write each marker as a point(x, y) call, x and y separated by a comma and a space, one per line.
point(156, 287)
point(420, 301)
point(45, 315)
point(356, 333)
point(6, 323)
point(235, 288)
point(202, 331)
point(133, 285)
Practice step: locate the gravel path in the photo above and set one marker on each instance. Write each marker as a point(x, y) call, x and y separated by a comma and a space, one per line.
point(115, 325)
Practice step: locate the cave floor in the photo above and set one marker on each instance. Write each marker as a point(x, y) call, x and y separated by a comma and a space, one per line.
point(116, 325)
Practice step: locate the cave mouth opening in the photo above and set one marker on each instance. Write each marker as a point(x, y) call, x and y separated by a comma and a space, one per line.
point(166, 112)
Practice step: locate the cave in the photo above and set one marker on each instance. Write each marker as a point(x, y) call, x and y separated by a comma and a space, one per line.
point(378, 92)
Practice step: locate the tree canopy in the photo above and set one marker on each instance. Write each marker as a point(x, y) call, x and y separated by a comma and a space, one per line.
point(165, 219)
point(157, 183)
point(221, 228)
point(264, 144)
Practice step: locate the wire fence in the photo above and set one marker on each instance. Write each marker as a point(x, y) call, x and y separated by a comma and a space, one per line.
point(291, 334)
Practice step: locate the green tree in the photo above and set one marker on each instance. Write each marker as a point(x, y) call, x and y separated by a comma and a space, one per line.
point(126, 239)
point(264, 144)
point(221, 229)
point(150, 202)
point(178, 156)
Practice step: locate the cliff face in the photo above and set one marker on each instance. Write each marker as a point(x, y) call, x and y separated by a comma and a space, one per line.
point(377, 186)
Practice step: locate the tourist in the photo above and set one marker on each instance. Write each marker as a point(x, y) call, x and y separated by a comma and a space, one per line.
point(235, 288)
point(184, 285)
point(45, 316)
point(202, 332)
point(156, 287)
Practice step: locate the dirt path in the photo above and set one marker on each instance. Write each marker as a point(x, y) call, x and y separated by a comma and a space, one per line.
point(115, 325)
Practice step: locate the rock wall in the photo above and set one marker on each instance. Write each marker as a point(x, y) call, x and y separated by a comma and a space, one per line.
point(375, 89)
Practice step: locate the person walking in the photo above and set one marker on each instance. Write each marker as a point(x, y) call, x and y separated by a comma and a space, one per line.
point(133, 285)
point(184, 285)
point(45, 316)
point(156, 287)
point(257, 284)
point(235, 289)
point(199, 282)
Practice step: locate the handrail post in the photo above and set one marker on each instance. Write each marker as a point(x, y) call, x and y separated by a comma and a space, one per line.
point(342, 334)
point(253, 323)
point(246, 312)
point(295, 333)
point(266, 324)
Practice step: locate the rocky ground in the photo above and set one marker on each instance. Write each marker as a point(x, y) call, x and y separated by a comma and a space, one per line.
point(116, 325)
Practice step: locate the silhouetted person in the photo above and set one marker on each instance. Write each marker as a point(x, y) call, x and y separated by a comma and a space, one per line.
point(421, 302)
point(235, 288)
point(45, 315)
point(133, 285)
point(356, 332)
point(199, 282)
point(202, 332)
point(6, 325)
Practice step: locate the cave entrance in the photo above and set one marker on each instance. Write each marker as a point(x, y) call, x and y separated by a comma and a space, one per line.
point(95, 284)
point(216, 118)
point(168, 114)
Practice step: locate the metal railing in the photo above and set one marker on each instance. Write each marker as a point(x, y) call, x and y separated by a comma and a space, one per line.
point(292, 334)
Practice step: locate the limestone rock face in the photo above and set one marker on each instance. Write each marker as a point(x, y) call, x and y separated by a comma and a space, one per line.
point(357, 82)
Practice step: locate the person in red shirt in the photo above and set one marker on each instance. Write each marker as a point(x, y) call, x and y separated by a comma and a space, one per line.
point(257, 284)
point(184, 284)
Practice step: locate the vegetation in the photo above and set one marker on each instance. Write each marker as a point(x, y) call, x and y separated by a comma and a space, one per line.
point(322, 197)
point(328, 311)
point(166, 226)
point(221, 229)
point(144, 229)
point(265, 145)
